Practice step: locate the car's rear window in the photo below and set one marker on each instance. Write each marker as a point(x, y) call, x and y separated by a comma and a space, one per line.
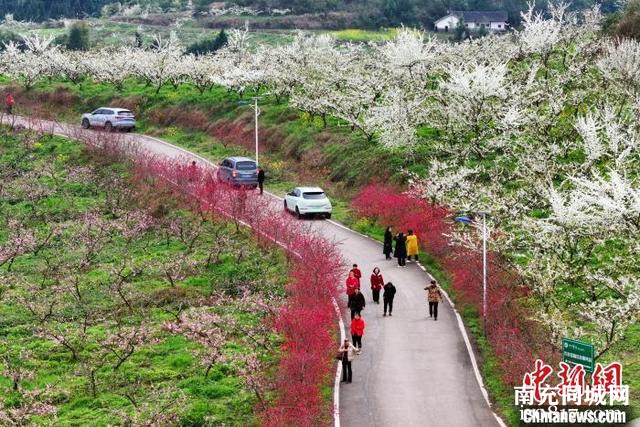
point(125, 113)
point(316, 195)
point(245, 166)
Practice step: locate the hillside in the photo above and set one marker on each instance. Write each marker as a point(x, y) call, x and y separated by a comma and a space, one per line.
point(273, 13)
point(42, 10)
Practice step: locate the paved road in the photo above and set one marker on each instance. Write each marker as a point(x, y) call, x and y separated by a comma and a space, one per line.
point(413, 371)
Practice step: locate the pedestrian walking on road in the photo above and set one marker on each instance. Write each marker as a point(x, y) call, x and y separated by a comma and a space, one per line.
point(387, 296)
point(193, 171)
point(357, 273)
point(357, 331)
point(346, 356)
point(352, 286)
point(412, 246)
point(357, 303)
point(261, 180)
point(377, 282)
point(401, 249)
point(434, 296)
point(9, 101)
point(387, 249)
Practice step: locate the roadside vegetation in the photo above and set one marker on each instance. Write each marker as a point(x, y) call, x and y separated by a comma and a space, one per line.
point(122, 305)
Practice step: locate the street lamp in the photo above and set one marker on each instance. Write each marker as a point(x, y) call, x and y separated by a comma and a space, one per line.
point(485, 236)
point(256, 110)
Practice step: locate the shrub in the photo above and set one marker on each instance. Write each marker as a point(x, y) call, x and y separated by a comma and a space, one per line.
point(78, 38)
point(9, 36)
point(209, 45)
point(389, 207)
point(629, 25)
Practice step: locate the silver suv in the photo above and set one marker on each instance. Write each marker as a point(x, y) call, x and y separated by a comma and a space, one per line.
point(109, 119)
point(240, 171)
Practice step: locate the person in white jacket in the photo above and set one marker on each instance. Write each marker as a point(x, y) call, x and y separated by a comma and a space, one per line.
point(346, 356)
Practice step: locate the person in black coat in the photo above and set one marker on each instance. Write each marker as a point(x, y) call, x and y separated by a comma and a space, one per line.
point(401, 249)
point(260, 179)
point(357, 303)
point(388, 243)
point(387, 297)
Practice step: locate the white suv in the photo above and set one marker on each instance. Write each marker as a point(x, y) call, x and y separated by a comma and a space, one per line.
point(109, 119)
point(308, 201)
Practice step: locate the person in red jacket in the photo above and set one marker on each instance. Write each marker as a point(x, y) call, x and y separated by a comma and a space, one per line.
point(9, 101)
point(377, 282)
point(352, 285)
point(357, 273)
point(357, 332)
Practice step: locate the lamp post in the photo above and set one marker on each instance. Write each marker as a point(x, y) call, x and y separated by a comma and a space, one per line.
point(485, 237)
point(256, 110)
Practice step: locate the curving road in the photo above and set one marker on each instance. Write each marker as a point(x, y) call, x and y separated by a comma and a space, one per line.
point(413, 371)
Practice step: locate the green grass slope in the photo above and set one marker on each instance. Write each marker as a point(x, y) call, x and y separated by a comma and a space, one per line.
point(66, 289)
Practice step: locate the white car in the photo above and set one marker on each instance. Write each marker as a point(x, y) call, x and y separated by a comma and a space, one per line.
point(308, 201)
point(109, 119)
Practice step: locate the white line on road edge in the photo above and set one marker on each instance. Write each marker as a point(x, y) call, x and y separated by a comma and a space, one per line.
point(336, 381)
point(472, 355)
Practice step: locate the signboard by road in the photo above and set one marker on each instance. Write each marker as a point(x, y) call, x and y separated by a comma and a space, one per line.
point(578, 353)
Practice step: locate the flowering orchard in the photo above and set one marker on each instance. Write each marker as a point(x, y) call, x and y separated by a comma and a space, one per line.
point(545, 139)
point(112, 291)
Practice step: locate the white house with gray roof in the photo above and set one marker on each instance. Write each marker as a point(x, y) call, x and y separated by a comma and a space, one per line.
point(473, 20)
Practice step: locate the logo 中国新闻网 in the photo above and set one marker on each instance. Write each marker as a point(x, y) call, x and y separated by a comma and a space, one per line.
point(572, 399)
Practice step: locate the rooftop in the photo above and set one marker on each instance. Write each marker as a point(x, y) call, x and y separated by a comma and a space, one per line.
point(310, 189)
point(113, 108)
point(241, 159)
point(482, 16)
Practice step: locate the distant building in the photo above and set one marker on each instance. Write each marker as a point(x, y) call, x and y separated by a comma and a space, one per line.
point(473, 20)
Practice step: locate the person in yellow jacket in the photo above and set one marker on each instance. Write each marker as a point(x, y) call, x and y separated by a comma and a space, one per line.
point(412, 246)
